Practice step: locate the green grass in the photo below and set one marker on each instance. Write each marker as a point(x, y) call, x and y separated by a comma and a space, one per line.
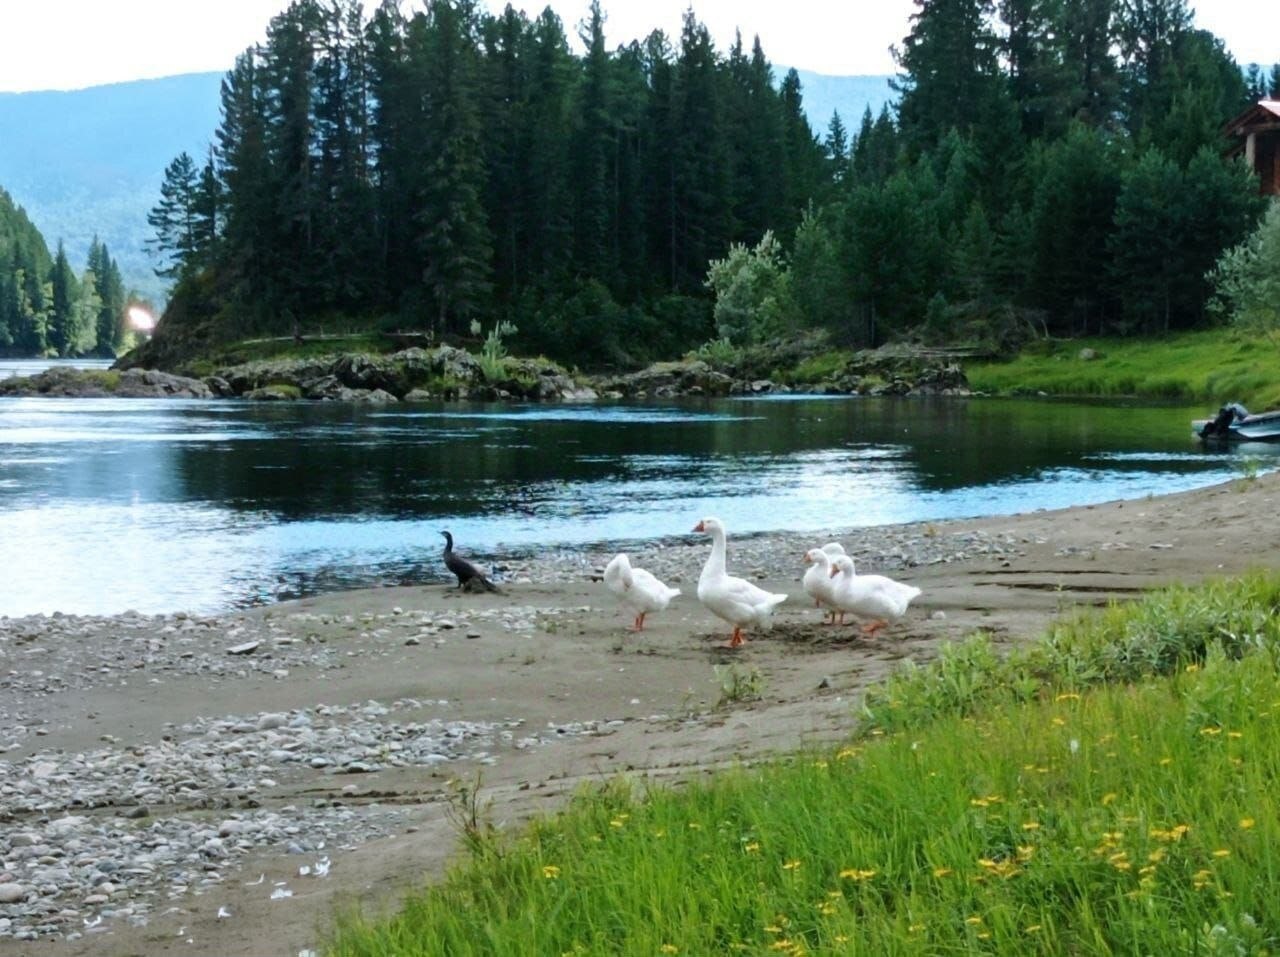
point(1213, 366)
point(1121, 796)
point(249, 350)
point(819, 368)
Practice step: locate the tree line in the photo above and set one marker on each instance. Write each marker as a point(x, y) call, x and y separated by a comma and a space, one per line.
point(45, 308)
point(1050, 164)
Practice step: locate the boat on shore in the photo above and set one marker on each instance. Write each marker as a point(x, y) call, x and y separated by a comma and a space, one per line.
point(1234, 423)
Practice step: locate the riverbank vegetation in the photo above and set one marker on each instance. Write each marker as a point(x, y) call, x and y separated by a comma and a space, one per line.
point(1213, 366)
point(45, 308)
point(1112, 786)
point(589, 198)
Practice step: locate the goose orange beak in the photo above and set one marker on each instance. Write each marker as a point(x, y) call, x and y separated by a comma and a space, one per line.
point(700, 527)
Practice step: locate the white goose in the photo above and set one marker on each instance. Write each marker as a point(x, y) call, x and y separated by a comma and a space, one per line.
point(870, 596)
point(817, 580)
point(735, 600)
point(636, 588)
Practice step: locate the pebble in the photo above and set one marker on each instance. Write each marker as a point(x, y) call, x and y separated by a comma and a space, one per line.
point(12, 893)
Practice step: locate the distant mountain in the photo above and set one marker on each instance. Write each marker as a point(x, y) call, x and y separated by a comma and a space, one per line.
point(91, 161)
point(823, 95)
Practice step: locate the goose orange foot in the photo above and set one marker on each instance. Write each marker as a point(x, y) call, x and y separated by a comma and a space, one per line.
point(736, 640)
point(873, 629)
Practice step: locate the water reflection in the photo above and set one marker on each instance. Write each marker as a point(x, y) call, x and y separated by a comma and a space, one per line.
point(158, 505)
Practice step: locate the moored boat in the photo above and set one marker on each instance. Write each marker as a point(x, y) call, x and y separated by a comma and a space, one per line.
point(1235, 423)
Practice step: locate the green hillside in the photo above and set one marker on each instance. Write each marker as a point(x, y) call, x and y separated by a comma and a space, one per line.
point(90, 161)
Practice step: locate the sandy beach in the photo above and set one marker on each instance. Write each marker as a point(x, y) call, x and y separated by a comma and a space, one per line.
point(221, 785)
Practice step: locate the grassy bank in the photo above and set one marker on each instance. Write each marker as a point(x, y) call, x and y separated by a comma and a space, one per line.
point(1111, 788)
point(1213, 367)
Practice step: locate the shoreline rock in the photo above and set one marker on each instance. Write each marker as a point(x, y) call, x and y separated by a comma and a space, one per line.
point(449, 373)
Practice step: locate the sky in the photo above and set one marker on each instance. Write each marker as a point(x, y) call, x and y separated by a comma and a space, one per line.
point(69, 44)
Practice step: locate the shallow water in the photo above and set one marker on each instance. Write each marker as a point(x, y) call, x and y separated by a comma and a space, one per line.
point(160, 505)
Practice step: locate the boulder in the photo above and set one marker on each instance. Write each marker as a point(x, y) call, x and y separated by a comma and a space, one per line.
point(274, 393)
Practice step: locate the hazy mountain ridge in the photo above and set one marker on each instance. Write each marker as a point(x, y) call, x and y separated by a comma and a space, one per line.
point(86, 162)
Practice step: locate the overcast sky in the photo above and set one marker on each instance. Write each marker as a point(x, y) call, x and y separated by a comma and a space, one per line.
point(68, 44)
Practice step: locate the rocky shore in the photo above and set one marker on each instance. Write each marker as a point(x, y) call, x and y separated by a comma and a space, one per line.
point(450, 373)
point(224, 784)
point(103, 826)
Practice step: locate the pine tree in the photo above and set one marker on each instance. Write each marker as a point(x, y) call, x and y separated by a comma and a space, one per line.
point(952, 76)
point(1076, 181)
point(452, 238)
point(593, 150)
point(174, 219)
point(108, 323)
point(63, 333)
point(1256, 84)
point(1274, 83)
point(1038, 78)
point(836, 147)
point(1147, 31)
point(1085, 29)
point(250, 231)
point(700, 170)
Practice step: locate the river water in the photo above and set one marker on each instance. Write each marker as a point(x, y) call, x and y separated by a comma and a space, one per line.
point(164, 505)
point(23, 367)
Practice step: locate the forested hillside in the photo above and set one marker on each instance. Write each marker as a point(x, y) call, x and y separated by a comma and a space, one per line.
point(45, 308)
point(86, 163)
point(1051, 166)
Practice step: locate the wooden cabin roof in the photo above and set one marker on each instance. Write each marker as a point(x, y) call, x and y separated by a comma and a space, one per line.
point(1264, 113)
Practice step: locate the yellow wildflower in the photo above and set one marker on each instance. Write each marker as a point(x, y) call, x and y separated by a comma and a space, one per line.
point(915, 928)
point(1166, 761)
point(941, 871)
point(1246, 823)
point(1034, 928)
point(1059, 722)
point(1031, 826)
point(1067, 696)
point(791, 866)
point(974, 920)
point(1210, 731)
point(550, 872)
point(752, 847)
point(1222, 852)
point(854, 874)
point(669, 949)
point(695, 826)
point(1235, 734)
point(1192, 668)
point(617, 822)
point(1109, 797)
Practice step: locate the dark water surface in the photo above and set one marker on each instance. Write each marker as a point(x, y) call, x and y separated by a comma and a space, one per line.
point(159, 505)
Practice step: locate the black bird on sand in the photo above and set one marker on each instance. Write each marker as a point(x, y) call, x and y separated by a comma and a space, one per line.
point(469, 577)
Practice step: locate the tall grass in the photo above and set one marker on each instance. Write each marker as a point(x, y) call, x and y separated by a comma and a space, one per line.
point(1212, 366)
point(1126, 803)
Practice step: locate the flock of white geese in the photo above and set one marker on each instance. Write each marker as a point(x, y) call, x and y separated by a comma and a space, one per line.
point(831, 581)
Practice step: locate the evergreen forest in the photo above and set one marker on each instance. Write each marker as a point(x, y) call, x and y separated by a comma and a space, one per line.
point(45, 308)
point(1050, 167)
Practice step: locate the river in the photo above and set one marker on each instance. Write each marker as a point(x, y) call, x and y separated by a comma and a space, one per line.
point(108, 504)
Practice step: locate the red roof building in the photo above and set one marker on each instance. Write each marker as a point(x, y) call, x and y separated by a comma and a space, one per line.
point(1256, 132)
